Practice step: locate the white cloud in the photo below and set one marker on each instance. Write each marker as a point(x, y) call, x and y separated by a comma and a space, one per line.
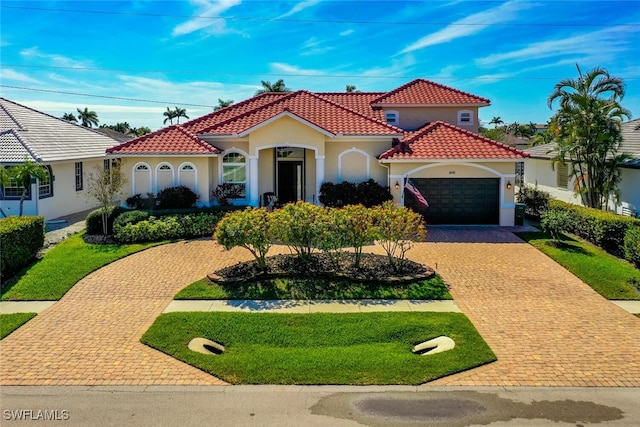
point(470, 25)
point(280, 67)
point(598, 45)
point(11, 75)
point(398, 67)
point(209, 8)
point(54, 59)
point(347, 32)
point(313, 46)
point(299, 7)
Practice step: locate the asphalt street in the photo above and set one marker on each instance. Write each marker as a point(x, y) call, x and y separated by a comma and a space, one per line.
point(317, 406)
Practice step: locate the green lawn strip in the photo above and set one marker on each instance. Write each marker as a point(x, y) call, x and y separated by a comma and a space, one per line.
point(315, 288)
point(11, 322)
point(321, 348)
point(609, 276)
point(62, 267)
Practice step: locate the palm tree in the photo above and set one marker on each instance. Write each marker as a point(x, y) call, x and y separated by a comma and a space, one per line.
point(278, 86)
point(69, 117)
point(496, 121)
point(169, 115)
point(142, 130)
point(589, 121)
point(351, 89)
point(222, 104)
point(88, 118)
point(180, 112)
point(24, 173)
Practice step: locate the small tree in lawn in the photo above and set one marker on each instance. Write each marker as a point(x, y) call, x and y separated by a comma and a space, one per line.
point(555, 222)
point(24, 173)
point(359, 229)
point(104, 186)
point(249, 229)
point(398, 228)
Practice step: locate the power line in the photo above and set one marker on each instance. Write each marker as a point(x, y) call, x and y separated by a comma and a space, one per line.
point(120, 98)
point(309, 21)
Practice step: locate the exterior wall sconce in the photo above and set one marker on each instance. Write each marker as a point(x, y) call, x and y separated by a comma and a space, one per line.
point(508, 185)
point(397, 185)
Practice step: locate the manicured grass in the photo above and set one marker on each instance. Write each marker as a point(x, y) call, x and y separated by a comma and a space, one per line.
point(609, 276)
point(62, 267)
point(321, 348)
point(314, 288)
point(11, 322)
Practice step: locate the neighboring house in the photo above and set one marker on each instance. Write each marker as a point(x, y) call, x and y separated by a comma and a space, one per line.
point(291, 143)
point(561, 186)
point(68, 151)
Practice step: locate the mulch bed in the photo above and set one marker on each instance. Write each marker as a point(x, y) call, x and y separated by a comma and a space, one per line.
point(372, 268)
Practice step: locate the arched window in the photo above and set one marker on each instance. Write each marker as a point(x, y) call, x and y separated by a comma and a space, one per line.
point(164, 176)
point(354, 165)
point(141, 182)
point(465, 118)
point(188, 176)
point(234, 171)
point(45, 186)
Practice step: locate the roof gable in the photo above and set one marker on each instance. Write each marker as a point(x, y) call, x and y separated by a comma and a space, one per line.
point(440, 140)
point(170, 140)
point(425, 92)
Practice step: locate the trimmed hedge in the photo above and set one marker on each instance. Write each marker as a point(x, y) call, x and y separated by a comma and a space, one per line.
point(135, 229)
point(180, 197)
point(368, 193)
point(20, 240)
point(604, 229)
point(632, 245)
point(94, 220)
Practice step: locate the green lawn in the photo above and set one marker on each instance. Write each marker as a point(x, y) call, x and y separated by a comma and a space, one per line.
point(11, 322)
point(609, 276)
point(62, 267)
point(314, 288)
point(321, 348)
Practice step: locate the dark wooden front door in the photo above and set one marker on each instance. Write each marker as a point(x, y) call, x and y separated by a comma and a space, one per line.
point(290, 187)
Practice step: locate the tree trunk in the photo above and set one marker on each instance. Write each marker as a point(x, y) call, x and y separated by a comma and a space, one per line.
point(24, 196)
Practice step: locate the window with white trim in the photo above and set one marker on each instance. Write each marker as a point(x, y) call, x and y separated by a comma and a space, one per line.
point(465, 118)
point(79, 177)
point(392, 117)
point(13, 190)
point(234, 171)
point(45, 186)
point(142, 168)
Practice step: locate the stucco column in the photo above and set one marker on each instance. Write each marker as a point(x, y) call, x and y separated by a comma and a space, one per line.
point(319, 176)
point(254, 196)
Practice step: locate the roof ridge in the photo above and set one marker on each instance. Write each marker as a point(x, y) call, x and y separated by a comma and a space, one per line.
point(418, 80)
point(11, 116)
point(141, 138)
point(482, 137)
point(196, 138)
point(24, 143)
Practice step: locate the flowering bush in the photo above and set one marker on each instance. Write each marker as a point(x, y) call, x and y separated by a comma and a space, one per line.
point(250, 229)
point(299, 226)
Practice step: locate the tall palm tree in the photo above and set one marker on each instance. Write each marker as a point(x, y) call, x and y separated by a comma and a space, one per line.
point(351, 89)
point(278, 86)
point(24, 173)
point(496, 121)
point(180, 112)
point(69, 117)
point(589, 119)
point(169, 115)
point(87, 117)
point(222, 104)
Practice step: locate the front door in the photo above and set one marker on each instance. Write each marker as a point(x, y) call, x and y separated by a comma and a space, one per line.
point(289, 181)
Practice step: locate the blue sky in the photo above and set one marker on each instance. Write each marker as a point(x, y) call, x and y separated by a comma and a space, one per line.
point(191, 53)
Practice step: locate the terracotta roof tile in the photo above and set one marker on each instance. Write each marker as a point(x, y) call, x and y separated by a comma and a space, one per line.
point(170, 140)
point(424, 92)
point(440, 140)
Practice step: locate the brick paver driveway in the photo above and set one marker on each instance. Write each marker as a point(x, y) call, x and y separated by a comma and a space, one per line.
point(545, 325)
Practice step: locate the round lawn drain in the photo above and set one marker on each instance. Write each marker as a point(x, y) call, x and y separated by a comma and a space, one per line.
point(205, 346)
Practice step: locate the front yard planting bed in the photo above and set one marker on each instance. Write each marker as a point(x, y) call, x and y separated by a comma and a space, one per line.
point(11, 322)
point(62, 267)
point(321, 348)
point(611, 277)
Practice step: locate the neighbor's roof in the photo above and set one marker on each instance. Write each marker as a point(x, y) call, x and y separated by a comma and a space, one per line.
point(424, 92)
point(170, 140)
point(440, 140)
point(544, 151)
point(27, 134)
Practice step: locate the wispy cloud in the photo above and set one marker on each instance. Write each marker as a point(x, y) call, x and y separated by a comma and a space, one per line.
point(212, 8)
point(347, 32)
point(11, 75)
point(299, 7)
point(314, 46)
point(398, 67)
point(280, 67)
point(470, 25)
point(601, 44)
point(53, 59)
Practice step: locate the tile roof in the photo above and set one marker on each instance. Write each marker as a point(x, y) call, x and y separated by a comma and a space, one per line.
point(45, 138)
point(425, 92)
point(170, 140)
point(440, 140)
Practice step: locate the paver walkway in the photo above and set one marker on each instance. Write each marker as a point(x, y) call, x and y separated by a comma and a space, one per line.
point(546, 326)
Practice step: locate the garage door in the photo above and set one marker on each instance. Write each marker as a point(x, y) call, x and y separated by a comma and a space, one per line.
point(457, 201)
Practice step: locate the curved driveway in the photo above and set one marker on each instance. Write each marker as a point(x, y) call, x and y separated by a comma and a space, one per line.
point(546, 326)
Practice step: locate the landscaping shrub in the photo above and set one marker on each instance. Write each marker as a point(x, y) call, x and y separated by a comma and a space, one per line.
point(140, 203)
point(179, 197)
point(604, 229)
point(397, 228)
point(536, 201)
point(632, 245)
point(199, 224)
point(250, 229)
point(299, 226)
point(555, 222)
point(21, 238)
point(165, 228)
point(132, 217)
point(359, 229)
point(94, 220)
point(368, 193)
point(225, 193)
